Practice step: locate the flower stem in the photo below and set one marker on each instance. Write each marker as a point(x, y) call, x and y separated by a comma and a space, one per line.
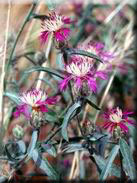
point(105, 94)
point(122, 178)
point(20, 31)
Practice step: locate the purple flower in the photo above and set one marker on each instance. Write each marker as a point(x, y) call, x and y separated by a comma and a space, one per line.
point(116, 118)
point(81, 72)
point(33, 100)
point(55, 24)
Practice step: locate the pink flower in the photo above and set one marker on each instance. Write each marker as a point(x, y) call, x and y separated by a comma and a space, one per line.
point(96, 48)
point(117, 118)
point(82, 72)
point(33, 101)
point(55, 24)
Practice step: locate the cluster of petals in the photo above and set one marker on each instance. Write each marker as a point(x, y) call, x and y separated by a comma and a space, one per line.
point(81, 69)
point(98, 49)
point(81, 72)
point(117, 118)
point(55, 24)
point(33, 100)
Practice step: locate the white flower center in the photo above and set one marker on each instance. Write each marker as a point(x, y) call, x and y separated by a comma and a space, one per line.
point(52, 24)
point(32, 97)
point(78, 69)
point(116, 117)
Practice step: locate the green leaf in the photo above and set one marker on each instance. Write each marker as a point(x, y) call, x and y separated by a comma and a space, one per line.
point(73, 147)
point(51, 116)
point(33, 142)
point(74, 107)
point(92, 104)
point(101, 162)
point(3, 179)
point(50, 149)
point(96, 136)
point(44, 69)
point(83, 53)
point(107, 168)
point(51, 4)
point(127, 155)
point(13, 96)
point(22, 146)
point(44, 165)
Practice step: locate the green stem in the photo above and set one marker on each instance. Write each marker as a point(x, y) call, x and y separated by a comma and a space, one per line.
point(20, 31)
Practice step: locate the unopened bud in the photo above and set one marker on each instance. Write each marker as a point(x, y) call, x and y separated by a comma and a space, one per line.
point(18, 132)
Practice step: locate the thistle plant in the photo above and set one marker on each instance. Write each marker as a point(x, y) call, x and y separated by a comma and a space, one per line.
point(64, 107)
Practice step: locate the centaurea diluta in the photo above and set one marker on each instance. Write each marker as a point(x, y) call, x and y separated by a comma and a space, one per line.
point(96, 48)
point(116, 118)
point(55, 24)
point(81, 73)
point(34, 100)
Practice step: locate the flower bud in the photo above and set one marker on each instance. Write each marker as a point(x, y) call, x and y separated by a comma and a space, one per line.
point(18, 132)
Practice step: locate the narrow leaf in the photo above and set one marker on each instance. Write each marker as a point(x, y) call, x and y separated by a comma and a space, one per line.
point(73, 147)
point(13, 96)
point(44, 69)
point(127, 155)
point(101, 162)
point(92, 104)
point(44, 165)
point(22, 146)
point(84, 53)
point(74, 107)
point(50, 149)
point(32, 143)
point(107, 168)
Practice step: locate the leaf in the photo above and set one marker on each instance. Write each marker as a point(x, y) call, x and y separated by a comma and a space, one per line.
point(44, 165)
point(96, 136)
point(74, 107)
point(22, 146)
point(101, 162)
point(51, 4)
point(50, 149)
point(3, 179)
point(73, 147)
point(44, 69)
point(107, 168)
point(92, 104)
point(127, 156)
point(51, 116)
point(71, 51)
point(13, 96)
point(33, 142)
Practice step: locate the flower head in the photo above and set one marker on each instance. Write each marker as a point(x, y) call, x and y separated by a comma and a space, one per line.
point(81, 72)
point(96, 48)
point(117, 118)
point(33, 101)
point(55, 24)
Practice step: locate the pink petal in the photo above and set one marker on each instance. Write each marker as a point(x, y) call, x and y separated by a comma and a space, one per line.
point(44, 36)
point(62, 34)
point(78, 82)
point(131, 122)
point(63, 84)
point(16, 114)
point(101, 75)
point(92, 85)
point(106, 125)
point(51, 100)
point(123, 127)
point(66, 20)
point(43, 108)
